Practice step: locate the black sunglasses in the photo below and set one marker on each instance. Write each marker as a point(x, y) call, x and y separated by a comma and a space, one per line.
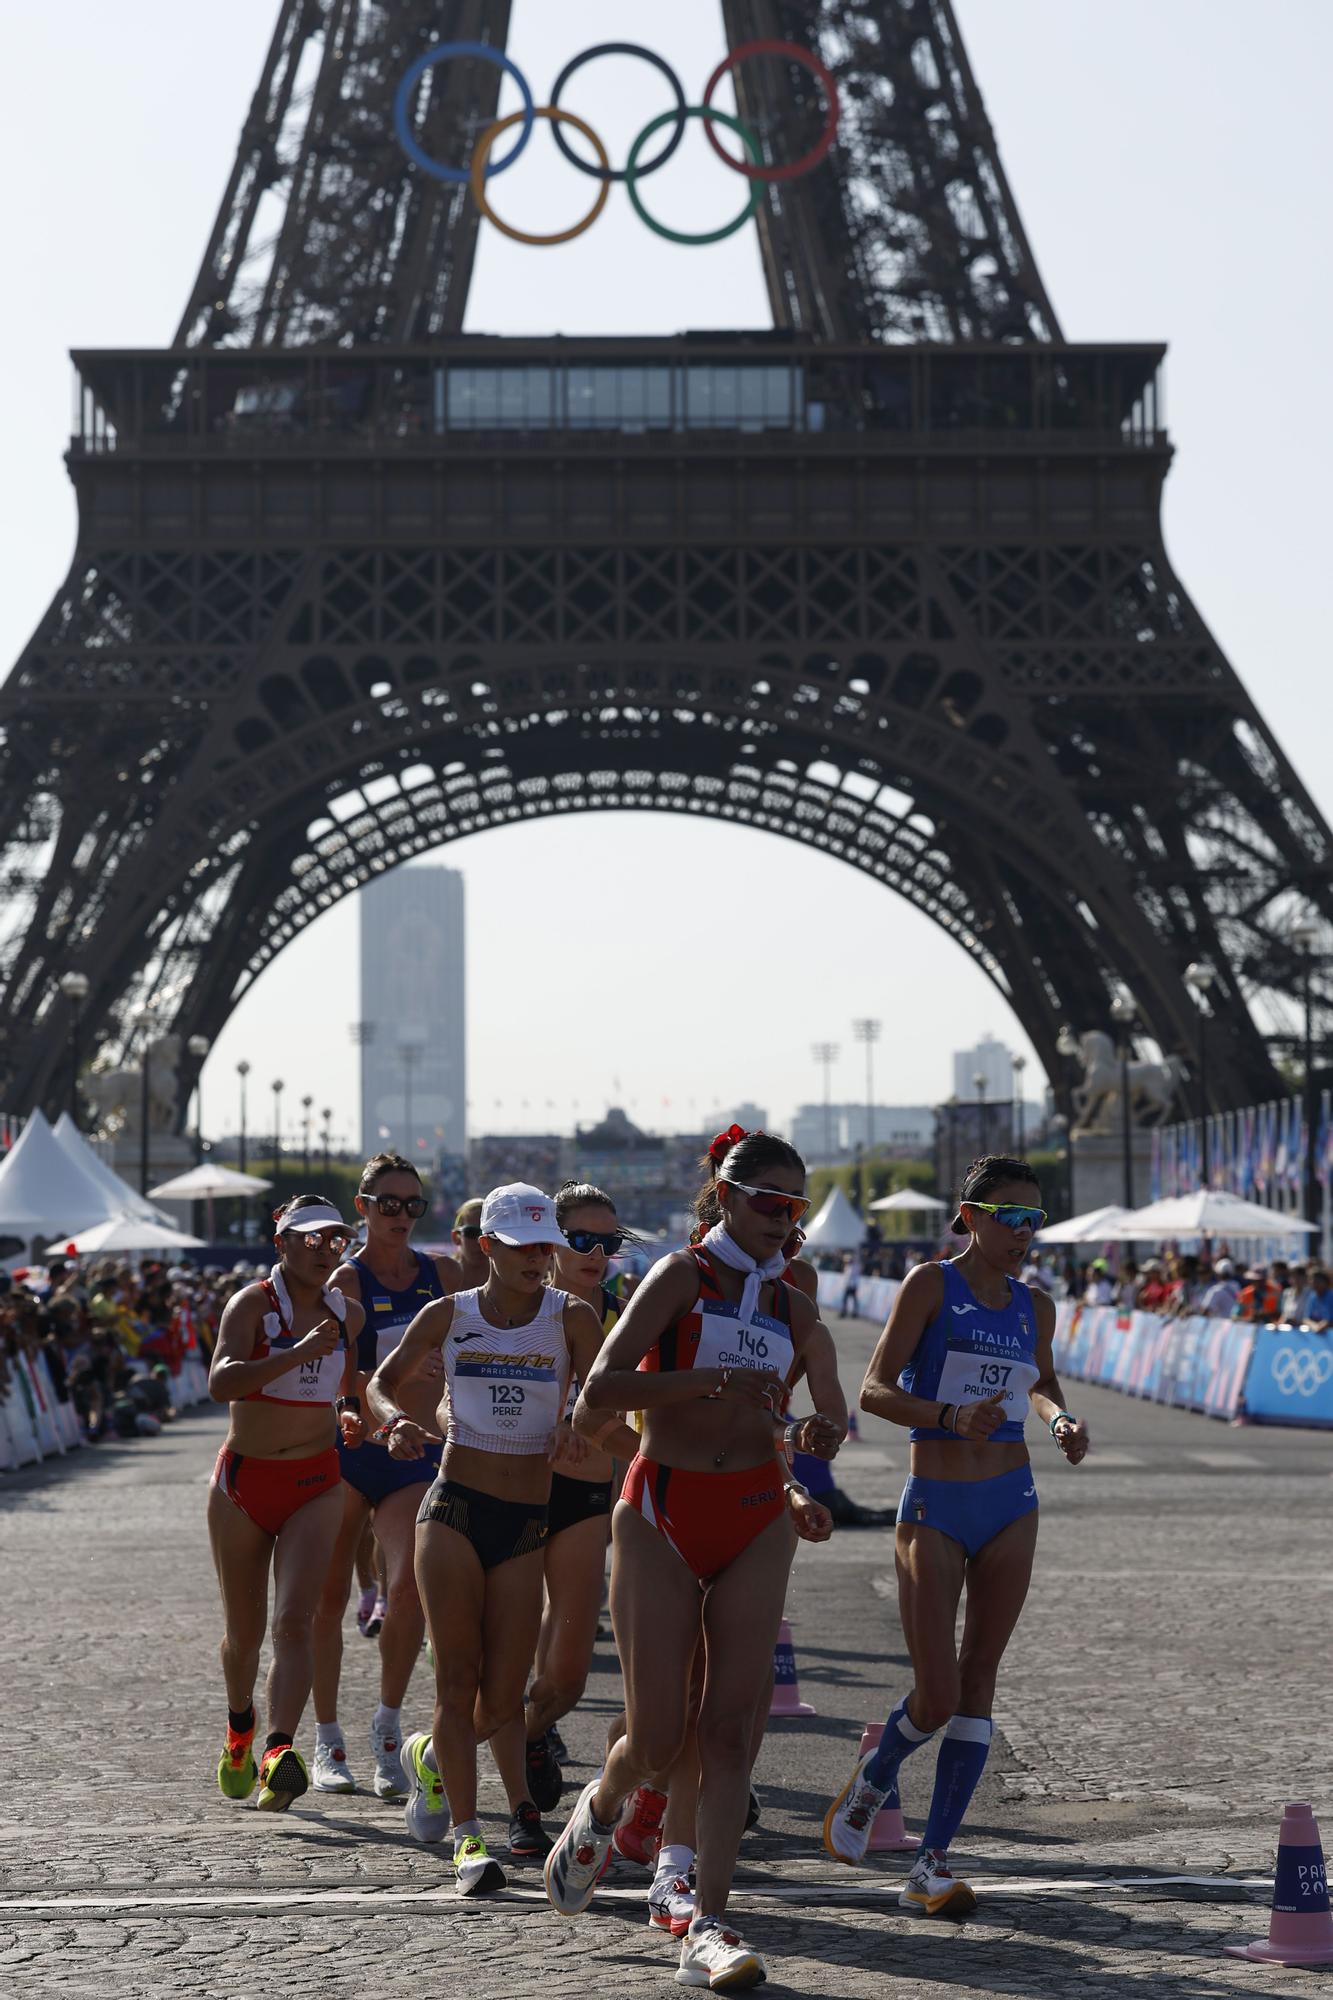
point(470, 1229)
point(414, 1205)
point(584, 1240)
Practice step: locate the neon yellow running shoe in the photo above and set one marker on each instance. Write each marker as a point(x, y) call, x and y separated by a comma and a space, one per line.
point(474, 1871)
point(237, 1774)
point(283, 1777)
point(427, 1813)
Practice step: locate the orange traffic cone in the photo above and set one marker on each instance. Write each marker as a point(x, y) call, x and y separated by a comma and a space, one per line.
point(786, 1687)
point(853, 1428)
point(1300, 1930)
point(888, 1835)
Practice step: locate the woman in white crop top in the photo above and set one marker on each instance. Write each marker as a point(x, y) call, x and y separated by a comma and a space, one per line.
point(509, 1348)
point(285, 1362)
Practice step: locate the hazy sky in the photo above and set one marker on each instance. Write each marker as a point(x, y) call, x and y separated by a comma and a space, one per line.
point(1171, 161)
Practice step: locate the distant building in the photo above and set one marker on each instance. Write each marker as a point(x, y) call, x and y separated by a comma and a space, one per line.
point(989, 1059)
point(903, 1129)
point(749, 1116)
point(414, 1047)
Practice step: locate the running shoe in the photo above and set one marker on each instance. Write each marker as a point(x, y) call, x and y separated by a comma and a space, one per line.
point(558, 1747)
point(365, 1604)
point(639, 1834)
point(475, 1874)
point(545, 1782)
point(850, 1820)
point(671, 1905)
point(389, 1780)
point(427, 1813)
point(371, 1628)
point(579, 1856)
point(237, 1772)
point(528, 1838)
point(752, 1811)
point(713, 1956)
point(933, 1890)
point(282, 1778)
point(331, 1770)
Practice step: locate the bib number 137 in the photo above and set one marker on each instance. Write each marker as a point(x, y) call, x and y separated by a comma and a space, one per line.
point(994, 1374)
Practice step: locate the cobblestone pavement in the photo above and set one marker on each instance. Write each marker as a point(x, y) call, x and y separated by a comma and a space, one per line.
point(1167, 1688)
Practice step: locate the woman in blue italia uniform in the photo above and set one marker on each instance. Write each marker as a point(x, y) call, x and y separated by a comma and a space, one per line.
point(967, 1350)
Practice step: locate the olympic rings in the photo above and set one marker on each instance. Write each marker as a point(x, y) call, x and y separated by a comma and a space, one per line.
point(1302, 1373)
point(632, 175)
point(620, 49)
point(444, 52)
point(556, 116)
point(481, 167)
point(808, 60)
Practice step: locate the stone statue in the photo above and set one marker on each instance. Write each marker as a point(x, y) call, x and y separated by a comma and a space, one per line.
point(1152, 1086)
point(115, 1095)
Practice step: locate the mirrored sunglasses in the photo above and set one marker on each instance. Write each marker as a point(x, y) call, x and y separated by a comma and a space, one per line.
point(335, 1240)
point(586, 1240)
point(1011, 1214)
point(771, 1201)
point(396, 1204)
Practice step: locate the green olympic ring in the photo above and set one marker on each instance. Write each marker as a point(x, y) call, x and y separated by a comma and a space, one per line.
point(747, 139)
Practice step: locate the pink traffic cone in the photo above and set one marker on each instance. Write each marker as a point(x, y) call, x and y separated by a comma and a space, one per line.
point(888, 1835)
point(786, 1687)
point(1300, 1929)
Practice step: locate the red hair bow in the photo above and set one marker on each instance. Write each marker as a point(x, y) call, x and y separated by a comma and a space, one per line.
point(724, 1142)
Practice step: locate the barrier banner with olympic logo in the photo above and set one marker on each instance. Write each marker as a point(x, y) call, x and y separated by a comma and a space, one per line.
point(483, 167)
point(1190, 1363)
point(1291, 1378)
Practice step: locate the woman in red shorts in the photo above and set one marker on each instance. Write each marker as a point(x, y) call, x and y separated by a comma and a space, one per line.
point(703, 1537)
point(286, 1363)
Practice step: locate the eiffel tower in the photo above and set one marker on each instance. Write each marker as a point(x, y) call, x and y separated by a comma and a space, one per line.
point(889, 580)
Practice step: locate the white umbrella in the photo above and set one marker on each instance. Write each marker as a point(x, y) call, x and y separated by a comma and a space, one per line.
point(1206, 1212)
point(127, 1233)
point(210, 1183)
point(908, 1198)
point(1097, 1226)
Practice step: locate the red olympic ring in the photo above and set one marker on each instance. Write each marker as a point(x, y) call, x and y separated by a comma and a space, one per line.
point(808, 60)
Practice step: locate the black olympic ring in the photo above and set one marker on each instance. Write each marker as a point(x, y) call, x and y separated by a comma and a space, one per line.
point(658, 62)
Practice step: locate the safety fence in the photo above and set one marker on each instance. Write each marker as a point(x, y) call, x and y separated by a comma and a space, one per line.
point(874, 1296)
point(1222, 1367)
point(35, 1424)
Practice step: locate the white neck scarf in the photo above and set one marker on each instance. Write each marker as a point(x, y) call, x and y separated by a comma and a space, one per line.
point(727, 1250)
point(332, 1297)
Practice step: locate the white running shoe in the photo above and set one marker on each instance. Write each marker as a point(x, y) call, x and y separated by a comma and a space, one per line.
point(671, 1905)
point(331, 1773)
point(933, 1890)
point(389, 1780)
point(712, 1956)
point(578, 1858)
point(427, 1813)
point(850, 1820)
point(475, 1873)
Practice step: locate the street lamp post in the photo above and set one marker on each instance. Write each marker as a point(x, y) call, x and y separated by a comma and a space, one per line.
point(277, 1087)
point(1199, 977)
point(306, 1103)
point(1305, 935)
point(363, 1034)
point(1060, 1124)
point(242, 1070)
point(147, 1020)
point(868, 1031)
point(74, 986)
point(1020, 1063)
point(979, 1085)
point(327, 1136)
point(198, 1046)
point(1123, 1012)
point(826, 1054)
point(952, 1108)
point(1067, 1044)
point(411, 1048)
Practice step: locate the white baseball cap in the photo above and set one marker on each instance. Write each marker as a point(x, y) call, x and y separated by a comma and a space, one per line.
point(519, 1214)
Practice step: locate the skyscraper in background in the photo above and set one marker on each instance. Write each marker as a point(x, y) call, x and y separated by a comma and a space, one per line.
point(414, 1047)
point(991, 1059)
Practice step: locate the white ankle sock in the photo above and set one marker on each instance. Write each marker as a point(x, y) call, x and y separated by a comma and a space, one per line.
point(673, 1861)
point(390, 1720)
point(328, 1732)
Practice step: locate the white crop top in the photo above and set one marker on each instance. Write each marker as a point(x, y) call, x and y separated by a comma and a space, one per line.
point(507, 1384)
point(317, 1381)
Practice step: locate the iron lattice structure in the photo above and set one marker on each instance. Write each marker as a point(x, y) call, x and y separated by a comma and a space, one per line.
point(891, 581)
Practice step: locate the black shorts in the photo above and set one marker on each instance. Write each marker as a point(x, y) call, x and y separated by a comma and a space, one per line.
point(575, 1500)
point(498, 1530)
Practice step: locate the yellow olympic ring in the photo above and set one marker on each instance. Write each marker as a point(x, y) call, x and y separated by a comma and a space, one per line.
point(482, 154)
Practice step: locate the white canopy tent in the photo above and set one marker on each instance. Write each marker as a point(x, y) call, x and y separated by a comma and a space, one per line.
point(1096, 1226)
point(126, 1235)
point(1206, 1212)
point(837, 1226)
point(43, 1183)
point(909, 1200)
point(121, 1198)
point(210, 1183)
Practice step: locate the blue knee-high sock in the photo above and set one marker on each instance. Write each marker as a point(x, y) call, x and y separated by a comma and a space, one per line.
point(815, 1474)
point(901, 1737)
point(958, 1770)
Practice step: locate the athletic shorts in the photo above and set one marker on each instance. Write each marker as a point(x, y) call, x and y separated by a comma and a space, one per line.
point(271, 1490)
point(498, 1530)
point(376, 1473)
point(971, 1511)
point(708, 1518)
point(575, 1500)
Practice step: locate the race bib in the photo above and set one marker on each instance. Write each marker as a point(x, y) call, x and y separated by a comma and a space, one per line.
point(967, 1377)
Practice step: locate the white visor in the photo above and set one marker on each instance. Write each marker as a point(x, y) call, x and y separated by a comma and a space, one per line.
point(305, 1221)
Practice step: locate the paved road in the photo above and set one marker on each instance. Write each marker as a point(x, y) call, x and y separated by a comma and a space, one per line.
point(1167, 1688)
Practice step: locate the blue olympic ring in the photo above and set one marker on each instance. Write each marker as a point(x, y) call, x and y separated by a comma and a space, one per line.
point(412, 76)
